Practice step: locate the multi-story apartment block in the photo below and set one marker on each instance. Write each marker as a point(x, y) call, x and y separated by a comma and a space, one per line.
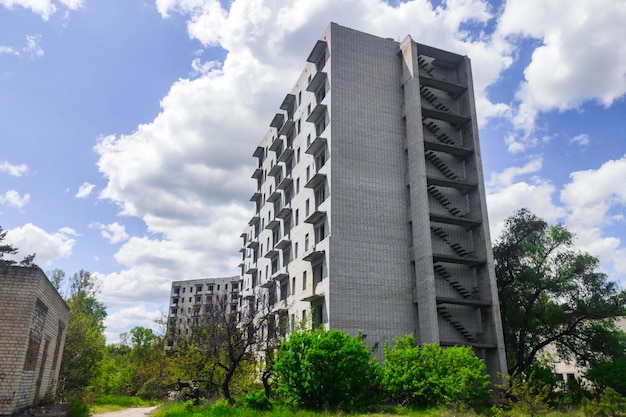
point(370, 208)
point(194, 299)
point(33, 327)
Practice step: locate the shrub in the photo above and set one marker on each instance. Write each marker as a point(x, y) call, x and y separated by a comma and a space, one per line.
point(610, 404)
point(432, 375)
point(257, 400)
point(319, 369)
point(77, 407)
point(529, 394)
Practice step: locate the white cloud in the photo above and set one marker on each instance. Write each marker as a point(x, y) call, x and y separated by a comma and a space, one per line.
point(48, 246)
point(44, 8)
point(505, 178)
point(8, 50)
point(592, 193)
point(32, 47)
point(186, 174)
point(14, 199)
point(127, 318)
point(582, 140)
point(536, 196)
point(113, 232)
point(14, 170)
point(581, 56)
point(84, 190)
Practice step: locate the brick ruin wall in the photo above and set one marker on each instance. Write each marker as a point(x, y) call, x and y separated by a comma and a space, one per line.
point(33, 323)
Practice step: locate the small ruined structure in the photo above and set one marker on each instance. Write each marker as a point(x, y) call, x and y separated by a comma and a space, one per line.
point(33, 323)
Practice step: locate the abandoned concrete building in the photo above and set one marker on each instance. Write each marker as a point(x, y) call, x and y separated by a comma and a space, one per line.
point(370, 212)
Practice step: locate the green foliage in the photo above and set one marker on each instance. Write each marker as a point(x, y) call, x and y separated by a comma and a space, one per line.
point(528, 394)
point(609, 374)
point(318, 369)
point(85, 343)
point(257, 400)
point(551, 293)
point(433, 375)
point(77, 407)
point(610, 404)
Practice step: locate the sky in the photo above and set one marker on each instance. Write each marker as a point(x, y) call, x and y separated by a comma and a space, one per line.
point(127, 126)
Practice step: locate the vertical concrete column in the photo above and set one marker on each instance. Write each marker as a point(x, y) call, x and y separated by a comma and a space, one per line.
point(419, 211)
point(496, 358)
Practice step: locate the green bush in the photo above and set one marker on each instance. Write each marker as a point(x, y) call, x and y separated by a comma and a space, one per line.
point(77, 407)
point(318, 369)
point(432, 375)
point(610, 404)
point(257, 400)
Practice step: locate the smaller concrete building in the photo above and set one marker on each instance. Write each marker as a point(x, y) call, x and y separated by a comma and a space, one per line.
point(33, 323)
point(192, 299)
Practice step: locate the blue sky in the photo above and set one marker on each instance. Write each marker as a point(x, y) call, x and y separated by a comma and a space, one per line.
point(127, 127)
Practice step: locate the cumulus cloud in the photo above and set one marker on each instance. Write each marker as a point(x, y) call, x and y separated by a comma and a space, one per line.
point(186, 174)
point(127, 318)
point(84, 190)
point(14, 199)
point(580, 55)
point(594, 192)
point(44, 8)
point(48, 246)
point(113, 232)
point(505, 178)
point(14, 170)
point(588, 205)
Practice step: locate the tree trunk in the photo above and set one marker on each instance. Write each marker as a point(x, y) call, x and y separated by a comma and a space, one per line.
point(226, 385)
point(265, 378)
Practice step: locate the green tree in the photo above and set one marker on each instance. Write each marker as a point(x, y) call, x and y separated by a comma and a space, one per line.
point(85, 342)
point(319, 369)
point(227, 339)
point(551, 293)
point(143, 341)
point(56, 277)
point(609, 374)
point(431, 375)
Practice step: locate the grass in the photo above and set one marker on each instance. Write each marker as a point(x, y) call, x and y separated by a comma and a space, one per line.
point(221, 409)
point(106, 403)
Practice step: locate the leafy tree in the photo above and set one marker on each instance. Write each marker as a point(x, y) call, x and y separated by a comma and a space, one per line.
point(227, 338)
point(319, 369)
point(143, 341)
point(551, 293)
point(85, 342)
point(433, 375)
point(56, 277)
point(609, 374)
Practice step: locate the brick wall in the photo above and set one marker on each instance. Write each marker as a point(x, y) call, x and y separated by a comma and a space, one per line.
point(33, 319)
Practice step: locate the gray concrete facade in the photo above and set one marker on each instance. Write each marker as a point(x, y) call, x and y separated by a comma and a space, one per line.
point(33, 327)
point(370, 211)
point(190, 300)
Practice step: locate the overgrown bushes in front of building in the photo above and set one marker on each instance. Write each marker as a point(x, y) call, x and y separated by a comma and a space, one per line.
point(319, 369)
point(432, 375)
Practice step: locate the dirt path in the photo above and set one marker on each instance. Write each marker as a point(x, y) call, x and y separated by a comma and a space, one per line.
point(128, 412)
